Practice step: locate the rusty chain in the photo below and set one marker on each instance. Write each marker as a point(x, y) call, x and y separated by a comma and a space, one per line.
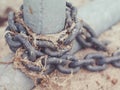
point(17, 36)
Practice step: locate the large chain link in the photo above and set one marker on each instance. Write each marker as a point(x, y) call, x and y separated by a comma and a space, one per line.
point(19, 36)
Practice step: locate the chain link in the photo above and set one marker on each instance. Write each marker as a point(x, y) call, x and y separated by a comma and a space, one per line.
point(17, 37)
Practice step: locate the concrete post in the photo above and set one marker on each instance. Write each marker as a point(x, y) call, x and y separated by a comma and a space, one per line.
point(44, 16)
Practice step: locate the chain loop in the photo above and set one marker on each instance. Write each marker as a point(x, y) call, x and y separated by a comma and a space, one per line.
point(68, 70)
point(98, 62)
point(18, 35)
point(80, 63)
point(116, 63)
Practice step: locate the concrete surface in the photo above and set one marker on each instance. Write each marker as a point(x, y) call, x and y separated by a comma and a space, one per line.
point(100, 14)
point(12, 79)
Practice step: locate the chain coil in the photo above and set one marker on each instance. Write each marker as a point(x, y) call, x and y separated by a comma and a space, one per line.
point(17, 36)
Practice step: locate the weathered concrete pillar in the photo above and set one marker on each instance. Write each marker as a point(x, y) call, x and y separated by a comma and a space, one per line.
point(45, 16)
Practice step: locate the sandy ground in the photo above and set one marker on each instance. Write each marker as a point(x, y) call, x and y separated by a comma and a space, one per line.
point(83, 80)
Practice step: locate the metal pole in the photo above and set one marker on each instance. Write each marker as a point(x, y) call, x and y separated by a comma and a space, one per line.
point(44, 16)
